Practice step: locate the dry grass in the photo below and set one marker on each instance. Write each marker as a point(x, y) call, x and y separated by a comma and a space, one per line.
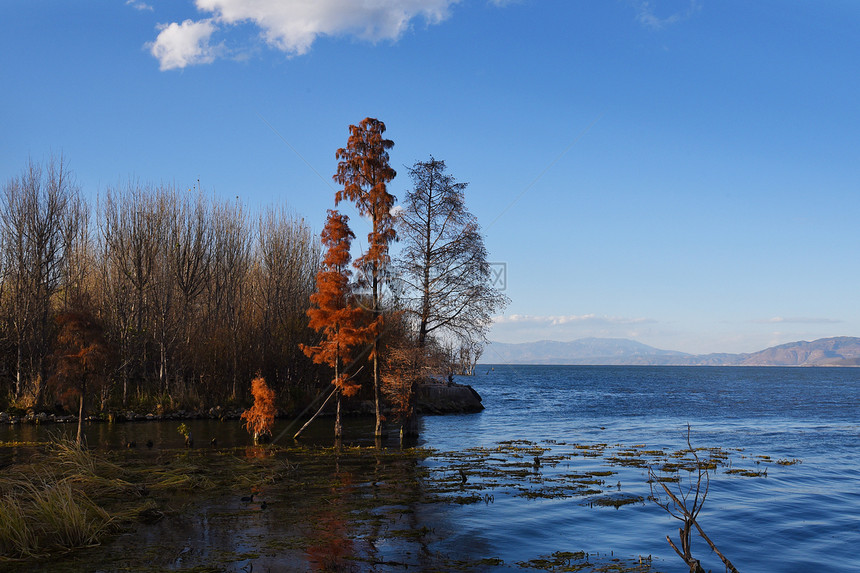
point(68, 496)
point(44, 505)
point(45, 514)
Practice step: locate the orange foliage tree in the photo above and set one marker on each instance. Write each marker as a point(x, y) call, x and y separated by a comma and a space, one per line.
point(332, 313)
point(82, 357)
point(364, 172)
point(403, 368)
point(405, 365)
point(260, 418)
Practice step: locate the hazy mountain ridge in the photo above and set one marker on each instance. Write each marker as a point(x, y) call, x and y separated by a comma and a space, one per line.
point(836, 351)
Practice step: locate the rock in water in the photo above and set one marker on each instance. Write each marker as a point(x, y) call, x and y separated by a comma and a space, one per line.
point(444, 398)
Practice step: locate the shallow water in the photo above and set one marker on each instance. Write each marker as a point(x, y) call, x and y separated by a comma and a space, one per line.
point(799, 517)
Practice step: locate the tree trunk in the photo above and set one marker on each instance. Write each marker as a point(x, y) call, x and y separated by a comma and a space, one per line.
point(338, 427)
point(425, 279)
point(409, 427)
point(377, 433)
point(235, 371)
point(125, 384)
point(80, 418)
point(376, 394)
point(19, 385)
point(162, 367)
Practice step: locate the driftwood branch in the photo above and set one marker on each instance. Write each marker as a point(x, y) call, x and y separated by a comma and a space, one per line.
point(308, 423)
point(724, 559)
point(675, 547)
point(687, 510)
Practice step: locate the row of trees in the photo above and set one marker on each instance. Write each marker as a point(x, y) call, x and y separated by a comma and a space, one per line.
point(192, 296)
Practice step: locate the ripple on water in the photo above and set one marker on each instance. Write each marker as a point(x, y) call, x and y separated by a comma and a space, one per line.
point(801, 517)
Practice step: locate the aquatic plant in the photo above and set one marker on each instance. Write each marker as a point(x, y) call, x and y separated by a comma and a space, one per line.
point(583, 561)
point(185, 431)
point(47, 511)
point(78, 463)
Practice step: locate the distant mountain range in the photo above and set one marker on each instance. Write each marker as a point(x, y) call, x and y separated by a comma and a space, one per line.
point(838, 351)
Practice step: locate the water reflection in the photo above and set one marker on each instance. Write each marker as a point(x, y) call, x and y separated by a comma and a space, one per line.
point(164, 434)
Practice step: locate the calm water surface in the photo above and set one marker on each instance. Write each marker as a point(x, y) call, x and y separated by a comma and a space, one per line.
point(799, 518)
point(802, 517)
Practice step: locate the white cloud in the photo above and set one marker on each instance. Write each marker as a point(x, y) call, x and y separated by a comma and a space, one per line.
point(138, 5)
point(527, 328)
point(185, 44)
point(590, 319)
point(292, 26)
point(798, 320)
point(647, 13)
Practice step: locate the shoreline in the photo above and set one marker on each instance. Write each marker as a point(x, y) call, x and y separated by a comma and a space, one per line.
point(431, 399)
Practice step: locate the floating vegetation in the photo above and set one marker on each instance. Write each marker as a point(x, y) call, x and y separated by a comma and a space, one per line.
point(582, 561)
point(747, 473)
point(616, 500)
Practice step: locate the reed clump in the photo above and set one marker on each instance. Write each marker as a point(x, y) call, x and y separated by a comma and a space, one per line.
point(46, 505)
point(45, 514)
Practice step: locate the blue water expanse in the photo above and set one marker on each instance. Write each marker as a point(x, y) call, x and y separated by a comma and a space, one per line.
point(801, 517)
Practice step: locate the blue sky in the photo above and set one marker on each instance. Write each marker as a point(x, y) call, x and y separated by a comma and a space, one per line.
point(682, 173)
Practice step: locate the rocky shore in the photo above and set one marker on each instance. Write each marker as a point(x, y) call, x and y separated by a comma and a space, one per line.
point(32, 417)
point(431, 399)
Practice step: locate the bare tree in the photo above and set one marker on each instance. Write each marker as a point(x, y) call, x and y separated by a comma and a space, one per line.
point(77, 280)
point(190, 260)
point(39, 223)
point(164, 292)
point(228, 281)
point(470, 352)
point(289, 256)
point(130, 231)
point(191, 296)
point(444, 277)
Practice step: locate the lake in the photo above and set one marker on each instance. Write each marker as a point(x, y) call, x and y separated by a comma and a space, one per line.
point(785, 495)
point(800, 517)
